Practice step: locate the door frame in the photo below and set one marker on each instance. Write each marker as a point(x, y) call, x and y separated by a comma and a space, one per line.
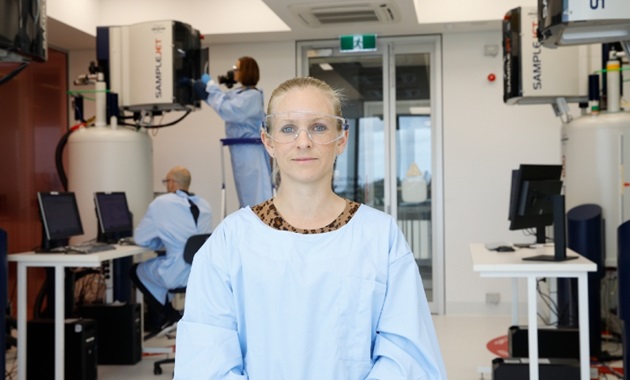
point(387, 47)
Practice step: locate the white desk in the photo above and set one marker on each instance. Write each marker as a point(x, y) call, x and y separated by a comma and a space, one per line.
point(511, 264)
point(59, 261)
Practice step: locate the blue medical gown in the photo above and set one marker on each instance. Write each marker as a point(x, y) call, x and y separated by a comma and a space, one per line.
point(167, 224)
point(242, 109)
point(268, 304)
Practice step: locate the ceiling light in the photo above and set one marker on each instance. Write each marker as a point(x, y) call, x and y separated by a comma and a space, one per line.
point(326, 66)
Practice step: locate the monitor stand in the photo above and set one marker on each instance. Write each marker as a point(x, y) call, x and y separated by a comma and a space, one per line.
point(549, 258)
point(52, 245)
point(559, 234)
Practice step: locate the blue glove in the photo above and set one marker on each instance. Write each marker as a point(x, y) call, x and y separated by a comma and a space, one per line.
point(205, 78)
point(200, 89)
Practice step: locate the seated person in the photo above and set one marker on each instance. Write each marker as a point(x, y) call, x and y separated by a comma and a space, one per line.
point(168, 223)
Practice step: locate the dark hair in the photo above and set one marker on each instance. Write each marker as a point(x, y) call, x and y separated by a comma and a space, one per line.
point(250, 74)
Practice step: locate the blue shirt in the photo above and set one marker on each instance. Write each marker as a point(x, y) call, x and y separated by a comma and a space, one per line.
point(268, 304)
point(167, 224)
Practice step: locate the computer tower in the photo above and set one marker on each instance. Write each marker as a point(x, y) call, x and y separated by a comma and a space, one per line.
point(561, 343)
point(549, 369)
point(118, 331)
point(80, 346)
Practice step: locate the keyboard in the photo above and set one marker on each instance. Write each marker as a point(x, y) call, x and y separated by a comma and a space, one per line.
point(91, 248)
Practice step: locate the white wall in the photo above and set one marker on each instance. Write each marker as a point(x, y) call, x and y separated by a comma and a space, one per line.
point(82, 15)
point(484, 140)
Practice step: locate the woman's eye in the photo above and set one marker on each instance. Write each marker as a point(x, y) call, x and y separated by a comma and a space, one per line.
point(288, 129)
point(319, 128)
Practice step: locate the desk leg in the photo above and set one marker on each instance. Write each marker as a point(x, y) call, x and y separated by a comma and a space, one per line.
point(532, 335)
point(109, 281)
point(140, 300)
point(515, 301)
point(60, 317)
point(585, 360)
point(21, 320)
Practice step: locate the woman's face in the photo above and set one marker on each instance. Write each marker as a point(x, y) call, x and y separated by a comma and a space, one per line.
point(237, 71)
point(301, 160)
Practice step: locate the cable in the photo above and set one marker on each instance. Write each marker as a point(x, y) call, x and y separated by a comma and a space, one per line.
point(11, 373)
point(149, 126)
point(61, 172)
point(611, 370)
point(90, 284)
point(551, 305)
point(13, 73)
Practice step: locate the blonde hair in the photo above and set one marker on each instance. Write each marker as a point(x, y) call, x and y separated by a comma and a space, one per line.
point(335, 96)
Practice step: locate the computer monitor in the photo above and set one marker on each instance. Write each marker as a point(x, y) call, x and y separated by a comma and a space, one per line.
point(536, 201)
point(60, 219)
point(114, 218)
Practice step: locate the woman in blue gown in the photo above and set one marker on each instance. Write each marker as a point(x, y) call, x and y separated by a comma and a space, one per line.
point(306, 285)
point(242, 109)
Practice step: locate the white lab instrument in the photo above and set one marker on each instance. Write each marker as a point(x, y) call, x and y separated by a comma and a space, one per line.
point(534, 74)
point(596, 156)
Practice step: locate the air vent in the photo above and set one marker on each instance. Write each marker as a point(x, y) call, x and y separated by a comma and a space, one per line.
point(318, 14)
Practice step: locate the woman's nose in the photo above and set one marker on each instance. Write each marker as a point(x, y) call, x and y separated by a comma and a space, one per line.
point(303, 140)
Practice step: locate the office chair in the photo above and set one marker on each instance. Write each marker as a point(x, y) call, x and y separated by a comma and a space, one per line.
point(190, 249)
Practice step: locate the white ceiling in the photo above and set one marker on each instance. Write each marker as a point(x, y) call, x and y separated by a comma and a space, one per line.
point(268, 20)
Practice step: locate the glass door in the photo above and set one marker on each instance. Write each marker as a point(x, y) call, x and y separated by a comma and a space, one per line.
point(393, 160)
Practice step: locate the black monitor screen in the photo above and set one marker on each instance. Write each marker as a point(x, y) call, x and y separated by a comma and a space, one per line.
point(113, 214)
point(535, 200)
point(60, 215)
point(529, 203)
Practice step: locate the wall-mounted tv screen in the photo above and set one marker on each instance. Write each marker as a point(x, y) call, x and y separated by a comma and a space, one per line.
point(23, 30)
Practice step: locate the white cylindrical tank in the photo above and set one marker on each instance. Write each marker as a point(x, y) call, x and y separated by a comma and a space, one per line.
point(596, 156)
point(109, 159)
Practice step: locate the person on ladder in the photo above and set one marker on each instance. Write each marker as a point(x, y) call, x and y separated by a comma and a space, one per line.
point(242, 109)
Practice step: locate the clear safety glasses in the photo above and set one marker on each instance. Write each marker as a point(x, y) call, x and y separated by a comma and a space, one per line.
point(322, 129)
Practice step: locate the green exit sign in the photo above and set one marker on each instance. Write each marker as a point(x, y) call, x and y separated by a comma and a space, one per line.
point(357, 42)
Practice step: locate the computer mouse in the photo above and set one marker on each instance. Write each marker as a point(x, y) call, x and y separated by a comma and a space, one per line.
point(126, 241)
point(505, 248)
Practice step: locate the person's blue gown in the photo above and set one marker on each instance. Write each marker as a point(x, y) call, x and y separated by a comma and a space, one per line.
point(167, 224)
point(266, 304)
point(242, 109)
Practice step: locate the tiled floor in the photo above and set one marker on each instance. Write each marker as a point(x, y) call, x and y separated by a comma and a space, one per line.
point(462, 339)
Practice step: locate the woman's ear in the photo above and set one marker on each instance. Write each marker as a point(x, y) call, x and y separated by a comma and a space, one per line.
point(342, 142)
point(267, 142)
